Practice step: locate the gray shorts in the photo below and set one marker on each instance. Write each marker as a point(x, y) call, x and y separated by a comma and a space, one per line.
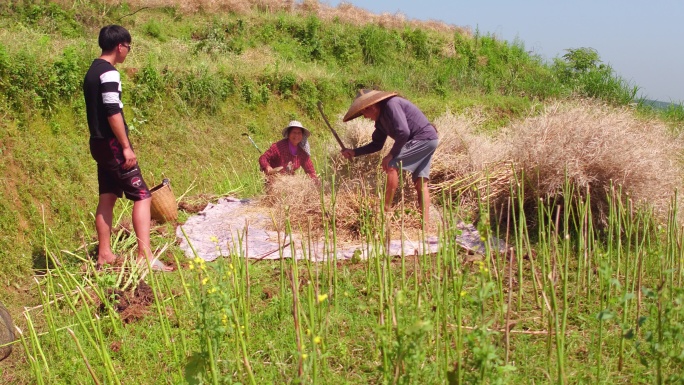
point(416, 156)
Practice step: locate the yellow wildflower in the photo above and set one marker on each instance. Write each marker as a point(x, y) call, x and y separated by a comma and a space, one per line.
point(317, 340)
point(322, 297)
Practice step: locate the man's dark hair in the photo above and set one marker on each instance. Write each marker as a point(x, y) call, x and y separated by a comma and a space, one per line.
point(111, 36)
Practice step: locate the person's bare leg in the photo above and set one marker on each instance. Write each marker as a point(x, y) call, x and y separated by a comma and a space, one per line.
point(141, 226)
point(423, 198)
point(103, 226)
point(391, 188)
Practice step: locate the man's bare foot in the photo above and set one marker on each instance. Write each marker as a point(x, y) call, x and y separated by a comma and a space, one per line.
point(105, 260)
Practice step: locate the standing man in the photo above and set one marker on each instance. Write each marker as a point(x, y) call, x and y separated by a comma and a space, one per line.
point(415, 141)
point(117, 166)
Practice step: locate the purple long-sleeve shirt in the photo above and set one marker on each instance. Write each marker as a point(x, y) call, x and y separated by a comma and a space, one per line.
point(402, 121)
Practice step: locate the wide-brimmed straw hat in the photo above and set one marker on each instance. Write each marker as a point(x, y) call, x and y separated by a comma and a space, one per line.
point(365, 98)
point(306, 133)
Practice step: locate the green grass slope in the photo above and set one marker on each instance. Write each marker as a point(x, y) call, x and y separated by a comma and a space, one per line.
point(198, 78)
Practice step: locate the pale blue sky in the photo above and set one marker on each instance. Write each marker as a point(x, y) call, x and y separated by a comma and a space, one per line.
point(642, 40)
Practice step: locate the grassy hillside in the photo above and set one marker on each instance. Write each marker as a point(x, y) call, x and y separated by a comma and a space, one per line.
point(581, 296)
point(201, 74)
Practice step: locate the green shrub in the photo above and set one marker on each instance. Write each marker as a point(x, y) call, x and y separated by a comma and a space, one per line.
point(307, 33)
point(307, 97)
point(50, 18)
point(418, 43)
point(68, 71)
point(147, 86)
point(465, 51)
point(219, 39)
point(22, 81)
point(329, 89)
point(344, 45)
point(154, 29)
point(581, 70)
point(203, 90)
point(674, 113)
point(312, 39)
point(255, 94)
point(377, 45)
point(286, 84)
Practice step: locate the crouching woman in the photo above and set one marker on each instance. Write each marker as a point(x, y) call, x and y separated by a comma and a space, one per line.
point(289, 154)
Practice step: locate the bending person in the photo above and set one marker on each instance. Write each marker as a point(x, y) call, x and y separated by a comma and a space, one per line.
point(415, 141)
point(287, 155)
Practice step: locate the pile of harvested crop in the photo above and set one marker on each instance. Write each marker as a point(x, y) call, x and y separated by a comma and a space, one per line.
point(592, 148)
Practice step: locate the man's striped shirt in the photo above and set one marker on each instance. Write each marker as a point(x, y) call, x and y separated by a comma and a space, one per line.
point(102, 93)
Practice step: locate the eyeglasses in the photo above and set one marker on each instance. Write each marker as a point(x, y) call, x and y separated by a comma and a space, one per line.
point(127, 46)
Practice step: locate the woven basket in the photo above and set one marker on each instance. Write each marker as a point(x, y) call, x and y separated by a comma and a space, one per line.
point(164, 207)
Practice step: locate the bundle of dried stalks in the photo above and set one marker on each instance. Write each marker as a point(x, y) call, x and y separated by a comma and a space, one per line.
point(298, 199)
point(466, 165)
point(594, 147)
point(297, 195)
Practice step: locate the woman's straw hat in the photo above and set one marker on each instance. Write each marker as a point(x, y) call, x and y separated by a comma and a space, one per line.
point(365, 98)
point(306, 133)
point(304, 144)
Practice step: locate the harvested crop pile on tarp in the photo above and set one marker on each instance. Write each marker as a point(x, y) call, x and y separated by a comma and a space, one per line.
point(592, 146)
point(358, 192)
point(356, 202)
point(297, 199)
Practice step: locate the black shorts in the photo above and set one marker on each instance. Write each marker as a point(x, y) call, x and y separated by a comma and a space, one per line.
point(111, 177)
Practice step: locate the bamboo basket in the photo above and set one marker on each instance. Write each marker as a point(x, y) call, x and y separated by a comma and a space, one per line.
point(164, 207)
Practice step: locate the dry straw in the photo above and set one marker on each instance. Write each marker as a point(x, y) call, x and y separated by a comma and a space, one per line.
point(357, 198)
point(298, 199)
point(595, 147)
point(590, 146)
point(344, 12)
point(467, 165)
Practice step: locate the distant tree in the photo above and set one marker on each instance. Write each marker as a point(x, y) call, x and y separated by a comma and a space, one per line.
point(582, 71)
point(581, 60)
